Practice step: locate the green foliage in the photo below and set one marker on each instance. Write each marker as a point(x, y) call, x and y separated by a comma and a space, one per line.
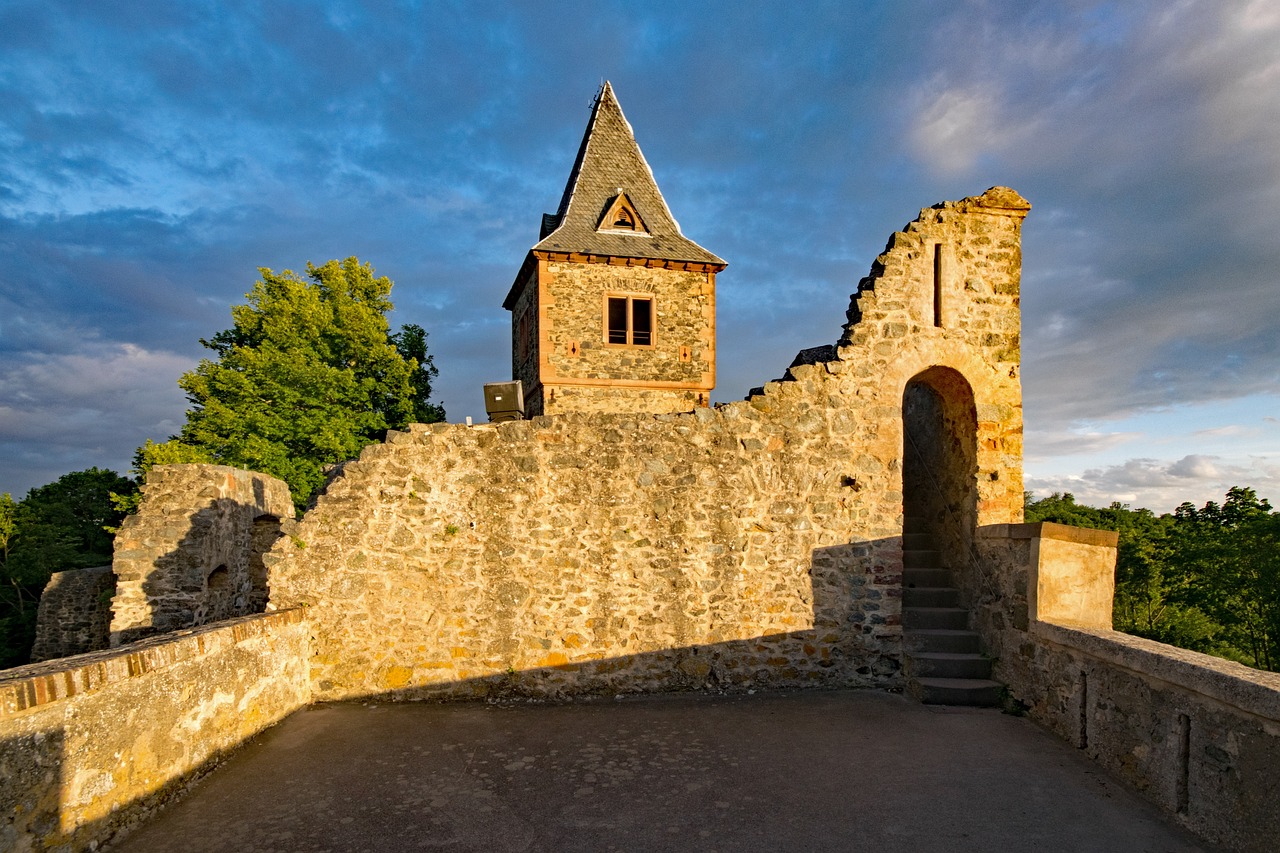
point(307, 375)
point(411, 343)
point(63, 525)
point(1231, 554)
point(1204, 579)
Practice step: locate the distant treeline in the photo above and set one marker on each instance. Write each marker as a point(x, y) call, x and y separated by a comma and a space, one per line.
point(1205, 579)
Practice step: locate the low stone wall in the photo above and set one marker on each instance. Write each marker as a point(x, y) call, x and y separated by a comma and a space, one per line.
point(600, 553)
point(91, 744)
point(1198, 735)
point(75, 613)
point(1021, 573)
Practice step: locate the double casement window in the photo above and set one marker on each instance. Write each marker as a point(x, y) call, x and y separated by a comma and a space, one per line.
point(628, 320)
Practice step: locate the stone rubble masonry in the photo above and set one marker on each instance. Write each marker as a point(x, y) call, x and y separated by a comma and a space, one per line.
point(94, 743)
point(756, 543)
point(571, 367)
point(192, 553)
point(75, 613)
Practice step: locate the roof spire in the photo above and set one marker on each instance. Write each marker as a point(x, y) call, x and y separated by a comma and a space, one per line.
point(610, 174)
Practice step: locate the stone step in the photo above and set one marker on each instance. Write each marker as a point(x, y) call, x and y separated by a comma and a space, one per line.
point(930, 596)
point(941, 640)
point(921, 559)
point(917, 542)
point(964, 665)
point(935, 617)
point(982, 692)
point(942, 657)
point(926, 577)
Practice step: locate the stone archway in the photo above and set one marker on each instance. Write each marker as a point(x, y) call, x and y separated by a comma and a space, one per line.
point(263, 535)
point(940, 464)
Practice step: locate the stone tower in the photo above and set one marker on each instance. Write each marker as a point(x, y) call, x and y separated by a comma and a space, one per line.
point(613, 308)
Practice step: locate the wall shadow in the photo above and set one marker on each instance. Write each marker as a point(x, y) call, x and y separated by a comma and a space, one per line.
point(36, 817)
point(32, 754)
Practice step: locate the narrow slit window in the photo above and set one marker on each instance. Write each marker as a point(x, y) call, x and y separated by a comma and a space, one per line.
point(629, 321)
point(937, 284)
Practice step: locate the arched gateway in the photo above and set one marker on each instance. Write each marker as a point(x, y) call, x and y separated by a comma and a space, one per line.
point(939, 458)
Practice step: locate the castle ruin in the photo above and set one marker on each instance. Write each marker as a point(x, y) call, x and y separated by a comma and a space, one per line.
point(856, 524)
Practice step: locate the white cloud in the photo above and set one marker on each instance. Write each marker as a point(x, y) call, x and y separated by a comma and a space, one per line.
point(1226, 431)
point(94, 407)
point(1050, 443)
point(952, 128)
point(1161, 485)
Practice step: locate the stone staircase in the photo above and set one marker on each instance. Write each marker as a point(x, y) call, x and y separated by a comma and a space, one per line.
point(942, 656)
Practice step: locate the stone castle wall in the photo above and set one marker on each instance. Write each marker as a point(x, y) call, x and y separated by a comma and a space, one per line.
point(75, 613)
point(192, 553)
point(525, 346)
point(754, 543)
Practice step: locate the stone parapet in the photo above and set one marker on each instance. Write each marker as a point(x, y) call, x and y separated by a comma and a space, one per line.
point(93, 743)
point(1198, 735)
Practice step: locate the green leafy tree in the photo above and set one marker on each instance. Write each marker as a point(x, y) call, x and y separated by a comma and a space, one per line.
point(1231, 553)
point(411, 343)
point(307, 375)
point(59, 526)
point(1150, 594)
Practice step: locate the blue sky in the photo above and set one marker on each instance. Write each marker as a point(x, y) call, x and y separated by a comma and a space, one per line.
point(153, 155)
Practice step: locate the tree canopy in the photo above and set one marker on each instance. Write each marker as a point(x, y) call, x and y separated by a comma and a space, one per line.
point(307, 375)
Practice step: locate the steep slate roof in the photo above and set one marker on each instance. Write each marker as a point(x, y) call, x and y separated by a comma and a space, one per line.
point(609, 160)
point(609, 163)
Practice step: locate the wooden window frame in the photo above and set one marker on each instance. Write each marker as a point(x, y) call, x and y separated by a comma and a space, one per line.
point(631, 299)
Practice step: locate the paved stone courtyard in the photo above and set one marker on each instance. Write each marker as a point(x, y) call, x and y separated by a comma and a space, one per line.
point(829, 770)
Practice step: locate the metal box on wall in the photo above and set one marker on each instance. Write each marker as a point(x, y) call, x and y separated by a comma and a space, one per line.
point(504, 401)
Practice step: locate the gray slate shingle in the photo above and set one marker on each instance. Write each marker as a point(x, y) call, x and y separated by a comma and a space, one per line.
point(609, 160)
